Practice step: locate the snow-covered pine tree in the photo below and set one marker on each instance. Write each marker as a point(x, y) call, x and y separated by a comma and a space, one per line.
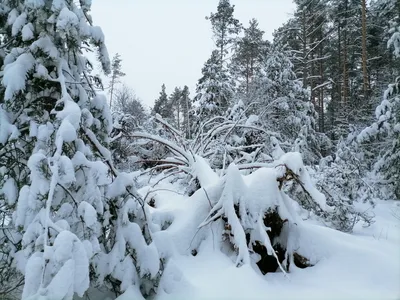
point(186, 105)
point(249, 54)
point(174, 105)
point(384, 133)
point(283, 106)
point(78, 222)
point(214, 89)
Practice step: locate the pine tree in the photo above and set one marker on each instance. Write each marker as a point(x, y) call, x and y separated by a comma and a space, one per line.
point(250, 52)
point(174, 104)
point(225, 28)
point(186, 105)
point(116, 74)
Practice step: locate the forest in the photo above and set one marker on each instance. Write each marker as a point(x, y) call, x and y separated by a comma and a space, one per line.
point(277, 177)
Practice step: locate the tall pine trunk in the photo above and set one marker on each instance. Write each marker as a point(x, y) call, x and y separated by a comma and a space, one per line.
point(364, 49)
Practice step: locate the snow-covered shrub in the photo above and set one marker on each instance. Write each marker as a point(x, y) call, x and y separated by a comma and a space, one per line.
point(252, 219)
point(236, 137)
point(220, 141)
point(346, 180)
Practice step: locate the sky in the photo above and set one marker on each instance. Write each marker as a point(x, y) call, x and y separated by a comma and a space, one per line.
point(168, 41)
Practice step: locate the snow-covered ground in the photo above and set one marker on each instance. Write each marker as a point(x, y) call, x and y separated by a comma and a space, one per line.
point(361, 265)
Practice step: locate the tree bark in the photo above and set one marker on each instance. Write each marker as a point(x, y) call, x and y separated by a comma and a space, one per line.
point(345, 71)
point(364, 48)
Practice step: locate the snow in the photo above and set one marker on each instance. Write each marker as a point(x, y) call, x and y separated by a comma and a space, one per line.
point(35, 4)
point(277, 151)
point(66, 132)
point(88, 213)
point(348, 267)
point(27, 32)
point(15, 74)
point(34, 266)
point(294, 162)
point(131, 293)
point(57, 5)
point(362, 265)
point(7, 130)
point(119, 185)
point(66, 18)
point(19, 22)
point(10, 191)
point(45, 44)
point(71, 112)
point(12, 16)
point(97, 34)
point(203, 172)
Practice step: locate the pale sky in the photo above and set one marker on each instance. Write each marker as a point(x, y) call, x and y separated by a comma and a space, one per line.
point(168, 41)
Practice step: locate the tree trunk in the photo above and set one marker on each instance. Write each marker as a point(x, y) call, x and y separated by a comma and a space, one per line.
point(187, 118)
point(112, 91)
point(364, 48)
point(178, 105)
point(345, 71)
point(304, 37)
point(321, 94)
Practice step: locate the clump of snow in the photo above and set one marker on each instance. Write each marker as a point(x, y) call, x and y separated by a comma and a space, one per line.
point(119, 184)
point(27, 32)
point(277, 151)
point(66, 132)
point(15, 74)
point(19, 22)
point(203, 172)
point(10, 191)
point(45, 44)
point(294, 162)
point(7, 130)
point(66, 18)
point(88, 213)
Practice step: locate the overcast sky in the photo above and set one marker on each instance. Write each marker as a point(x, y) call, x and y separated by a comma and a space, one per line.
point(168, 41)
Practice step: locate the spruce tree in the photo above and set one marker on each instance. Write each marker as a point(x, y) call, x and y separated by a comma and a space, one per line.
point(283, 106)
point(214, 89)
point(161, 105)
point(75, 215)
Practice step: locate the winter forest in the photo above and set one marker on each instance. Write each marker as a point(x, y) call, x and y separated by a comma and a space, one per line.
point(278, 177)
